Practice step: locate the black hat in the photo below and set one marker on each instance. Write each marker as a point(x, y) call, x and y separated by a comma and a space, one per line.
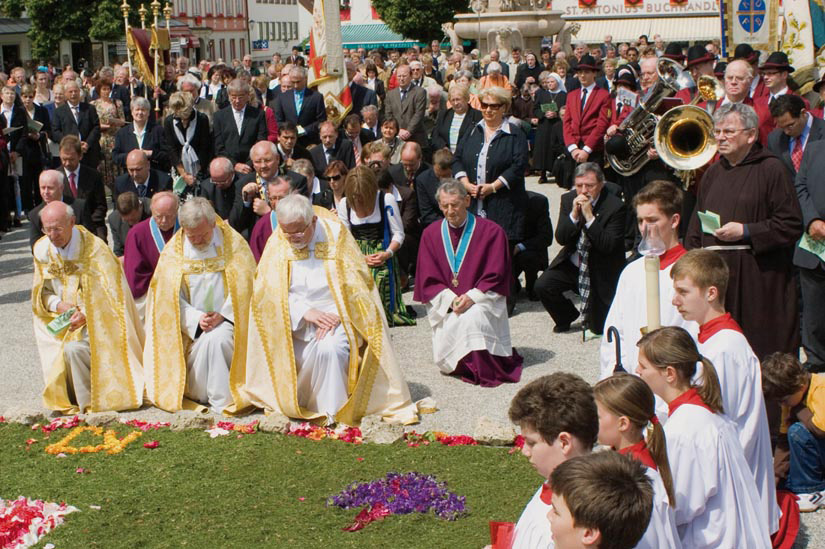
point(746, 53)
point(674, 51)
point(587, 63)
point(819, 84)
point(777, 61)
point(719, 69)
point(698, 54)
point(626, 77)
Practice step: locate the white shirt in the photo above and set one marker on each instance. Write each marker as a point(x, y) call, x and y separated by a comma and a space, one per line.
point(206, 291)
point(139, 134)
point(238, 118)
point(396, 225)
point(533, 528)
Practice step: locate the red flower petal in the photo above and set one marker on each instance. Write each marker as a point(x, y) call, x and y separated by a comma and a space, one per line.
point(151, 445)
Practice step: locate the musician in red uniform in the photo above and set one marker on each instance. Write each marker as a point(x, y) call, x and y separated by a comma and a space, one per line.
point(751, 56)
point(587, 115)
point(775, 71)
point(699, 62)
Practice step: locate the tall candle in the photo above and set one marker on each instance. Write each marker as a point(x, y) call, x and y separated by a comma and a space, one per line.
point(652, 292)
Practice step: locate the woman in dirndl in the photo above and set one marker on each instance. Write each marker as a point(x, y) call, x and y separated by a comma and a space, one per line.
point(374, 219)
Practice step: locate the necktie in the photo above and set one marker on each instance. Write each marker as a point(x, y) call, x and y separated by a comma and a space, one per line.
point(403, 95)
point(328, 152)
point(76, 113)
point(583, 247)
point(239, 120)
point(73, 184)
point(796, 153)
point(141, 189)
point(584, 98)
point(356, 145)
point(299, 102)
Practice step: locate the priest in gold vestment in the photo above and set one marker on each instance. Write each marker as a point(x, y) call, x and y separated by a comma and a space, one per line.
point(91, 354)
point(319, 347)
point(197, 312)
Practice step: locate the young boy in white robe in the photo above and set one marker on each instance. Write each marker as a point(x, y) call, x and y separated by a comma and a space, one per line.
point(800, 452)
point(616, 519)
point(658, 206)
point(700, 280)
point(717, 504)
point(627, 409)
point(558, 420)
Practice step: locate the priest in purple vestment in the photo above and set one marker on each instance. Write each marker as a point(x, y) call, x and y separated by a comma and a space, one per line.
point(463, 277)
point(276, 189)
point(144, 243)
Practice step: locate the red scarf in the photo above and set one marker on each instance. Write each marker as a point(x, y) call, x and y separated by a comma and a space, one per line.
point(640, 452)
point(546, 495)
point(671, 256)
point(712, 327)
point(691, 396)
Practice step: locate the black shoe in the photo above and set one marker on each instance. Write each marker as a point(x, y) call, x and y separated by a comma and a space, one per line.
point(561, 328)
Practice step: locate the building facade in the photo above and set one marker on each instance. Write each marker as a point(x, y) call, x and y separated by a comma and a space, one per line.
point(275, 27)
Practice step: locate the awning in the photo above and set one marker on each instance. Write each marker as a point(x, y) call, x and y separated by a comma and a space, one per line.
point(371, 36)
point(9, 25)
point(675, 29)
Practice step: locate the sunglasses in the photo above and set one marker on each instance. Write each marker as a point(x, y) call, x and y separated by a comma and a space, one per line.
point(334, 177)
point(493, 106)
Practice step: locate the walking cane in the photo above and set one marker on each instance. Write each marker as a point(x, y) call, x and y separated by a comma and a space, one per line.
point(613, 334)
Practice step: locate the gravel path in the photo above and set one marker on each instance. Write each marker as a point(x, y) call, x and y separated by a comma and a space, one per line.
point(460, 404)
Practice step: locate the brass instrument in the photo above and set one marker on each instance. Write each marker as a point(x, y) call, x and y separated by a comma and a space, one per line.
point(639, 127)
point(710, 90)
point(684, 138)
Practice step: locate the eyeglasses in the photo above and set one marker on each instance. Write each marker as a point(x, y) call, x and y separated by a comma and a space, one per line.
point(727, 132)
point(376, 164)
point(298, 233)
point(494, 106)
point(334, 177)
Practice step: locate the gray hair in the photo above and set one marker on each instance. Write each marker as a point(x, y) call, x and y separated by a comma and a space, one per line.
point(141, 102)
point(746, 114)
point(465, 74)
point(461, 89)
point(222, 162)
point(237, 86)
point(54, 175)
point(434, 90)
point(589, 167)
point(195, 211)
point(451, 186)
point(190, 79)
point(494, 66)
point(368, 109)
point(69, 212)
point(304, 167)
point(294, 207)
point(301, 71)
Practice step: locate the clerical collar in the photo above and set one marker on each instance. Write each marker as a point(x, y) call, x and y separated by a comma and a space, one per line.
point(458, 227)
point(713, 327)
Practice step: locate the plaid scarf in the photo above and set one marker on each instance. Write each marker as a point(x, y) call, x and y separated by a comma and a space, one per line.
point(583, 248)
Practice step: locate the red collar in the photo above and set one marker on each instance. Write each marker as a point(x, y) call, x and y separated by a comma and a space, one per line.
point(691, 396)
point(671, 256)
point(640, 452)
point(546, 495)
point(712, 327)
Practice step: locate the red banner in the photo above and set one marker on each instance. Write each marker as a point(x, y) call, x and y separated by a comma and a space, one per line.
point(633, 3)
point(585, 4)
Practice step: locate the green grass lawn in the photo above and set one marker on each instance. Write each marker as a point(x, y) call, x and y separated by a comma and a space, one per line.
point(260, 490)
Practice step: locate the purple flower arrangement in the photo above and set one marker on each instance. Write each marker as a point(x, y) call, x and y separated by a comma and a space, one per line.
point(400, 494)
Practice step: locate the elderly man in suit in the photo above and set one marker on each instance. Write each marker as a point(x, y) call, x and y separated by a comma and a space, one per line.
point(140, 178)
point(332, 147)
point(129, 211)
point(795, 129)
point(221, 189)
point(811, 195)
point(238, 127)
point(407, 104)
point(586, 117)
point(302, 106)
point(52, 189)
point(591, 231)
point(456, 121)
point(85, 184)
point(369, 114)
point(78, 119)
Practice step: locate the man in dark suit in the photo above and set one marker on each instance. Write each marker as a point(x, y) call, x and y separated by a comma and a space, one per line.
point(411, 166)
point(140, 178)
point(442, 135)
point(52, 188)
point(358, 136)
point(78, 119)
point(85, 184)
point(369, 115)
point(238, 127)
point(530, 255)
point(288, 148)
point(302, 106)
point(426, 185)
point(332, 147)
point(591, 229)
point(318, 189)
point(222, 189)
point(361, 95)
point(408, 105)
point(129, 211)
point(811, 195)
point(795, 129)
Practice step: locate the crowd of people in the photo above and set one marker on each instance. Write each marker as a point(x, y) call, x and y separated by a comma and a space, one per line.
point(264, 250)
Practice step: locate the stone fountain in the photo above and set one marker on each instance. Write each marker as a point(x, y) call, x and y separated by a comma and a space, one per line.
point(505, 24)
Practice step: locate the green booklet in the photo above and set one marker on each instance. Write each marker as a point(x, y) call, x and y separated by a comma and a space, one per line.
point(61, 322)
point(710, 221)
point(551, 107)
point(810, 244)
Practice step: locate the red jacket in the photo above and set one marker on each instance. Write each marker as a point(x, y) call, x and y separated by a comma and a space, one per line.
point(761, 89)
point(587, 127)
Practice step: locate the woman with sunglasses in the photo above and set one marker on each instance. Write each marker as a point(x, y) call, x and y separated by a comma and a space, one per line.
point(490, 162)
point(336, 174)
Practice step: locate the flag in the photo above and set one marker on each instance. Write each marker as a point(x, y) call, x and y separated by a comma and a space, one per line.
point(141, 44)
point(753, 22)
point(327, 71)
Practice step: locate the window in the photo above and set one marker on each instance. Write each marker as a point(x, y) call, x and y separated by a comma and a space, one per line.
point(223, 49)
point(243, 47)
point(182, 7)
point(233, 53)
point(196, 8)
point(261, 35)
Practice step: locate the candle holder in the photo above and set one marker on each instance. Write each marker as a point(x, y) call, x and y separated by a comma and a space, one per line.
point(651, 247)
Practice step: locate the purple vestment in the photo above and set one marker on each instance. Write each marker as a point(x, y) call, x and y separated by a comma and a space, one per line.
point(486, 267)
point(140, 256)
point(260, 234)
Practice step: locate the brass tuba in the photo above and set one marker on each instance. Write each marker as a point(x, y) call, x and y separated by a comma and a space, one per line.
point(684, 138)
point(638, 128)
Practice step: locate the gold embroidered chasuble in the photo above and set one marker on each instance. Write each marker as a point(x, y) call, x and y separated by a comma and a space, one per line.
point(94, 280)
point(375, 382)
point(164, 357)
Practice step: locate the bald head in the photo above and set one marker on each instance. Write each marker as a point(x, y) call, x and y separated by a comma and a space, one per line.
point(57, 220)
point(165, 209)
point(137, 164)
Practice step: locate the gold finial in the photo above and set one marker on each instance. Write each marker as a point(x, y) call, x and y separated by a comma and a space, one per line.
point(124, 8)
point(167, 11)
point(155, 5)
point(142, 12)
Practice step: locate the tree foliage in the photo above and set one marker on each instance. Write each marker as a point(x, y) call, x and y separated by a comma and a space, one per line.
point(76, 20)
point(419, 20)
